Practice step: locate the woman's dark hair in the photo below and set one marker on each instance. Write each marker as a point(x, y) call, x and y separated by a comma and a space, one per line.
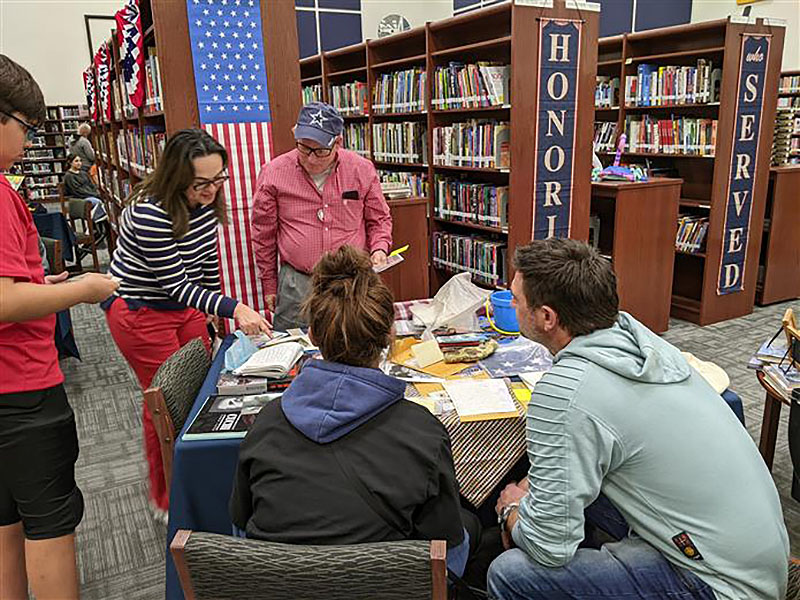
point(70, 157)
point(573, 279)
point(20, 93)
point(175, 173)
point(350, 311)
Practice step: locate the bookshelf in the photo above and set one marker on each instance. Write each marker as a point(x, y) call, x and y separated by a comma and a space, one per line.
point(691, 137)
point(44, 162)
point(503, 35)
point(635, 228)
point(128, 145)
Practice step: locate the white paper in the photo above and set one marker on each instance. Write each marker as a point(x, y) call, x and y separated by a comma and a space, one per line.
point(530, 379)
point(476, 397)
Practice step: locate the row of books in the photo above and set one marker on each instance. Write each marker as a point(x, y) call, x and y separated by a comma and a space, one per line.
point(405, 142)
point(787, 123)
point(312, 93)
point(675, 135)
point(459, 85)
point(43, 181)
point(789, 84)
point(464, 202)
point(485, 259)
point(417, 182)
point(473, 143)
point(606, 92)
point(41, 194)
point(789, 102)
point(356, 138)
point(605, 136)
point(152, 81)
point(691, 233)
point(658, 85)
point(44, 167)
point(350, 98)
point(399, 91)
point(48, 153)
point(139, 150)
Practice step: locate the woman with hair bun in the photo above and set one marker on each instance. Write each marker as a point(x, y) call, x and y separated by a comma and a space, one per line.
point(343, 418)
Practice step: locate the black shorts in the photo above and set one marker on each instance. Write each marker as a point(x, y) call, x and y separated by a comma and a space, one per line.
point(38, 450)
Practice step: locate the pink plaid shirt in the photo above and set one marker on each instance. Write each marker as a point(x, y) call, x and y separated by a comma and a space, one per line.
point(293, 220)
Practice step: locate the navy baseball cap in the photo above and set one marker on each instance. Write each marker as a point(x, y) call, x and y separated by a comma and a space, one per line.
point(319, 122)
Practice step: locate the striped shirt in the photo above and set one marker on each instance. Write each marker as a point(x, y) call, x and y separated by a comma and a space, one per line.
point(159, 271)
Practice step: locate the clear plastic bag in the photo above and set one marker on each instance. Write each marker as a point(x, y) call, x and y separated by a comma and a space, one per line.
point(238, 353)
point(454, 305)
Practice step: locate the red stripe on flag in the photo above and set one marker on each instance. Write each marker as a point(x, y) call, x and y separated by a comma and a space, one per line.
point(251, 173)
point(236, 172)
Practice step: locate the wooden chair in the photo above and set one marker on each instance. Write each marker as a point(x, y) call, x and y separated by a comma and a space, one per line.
point(79, 211)
point(221, 567)
point(54, 257)
point(172, 393)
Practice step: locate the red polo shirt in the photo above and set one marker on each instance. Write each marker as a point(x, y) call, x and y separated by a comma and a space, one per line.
point(28, 355)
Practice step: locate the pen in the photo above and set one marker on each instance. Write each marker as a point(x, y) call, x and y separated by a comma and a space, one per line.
point(399, 250)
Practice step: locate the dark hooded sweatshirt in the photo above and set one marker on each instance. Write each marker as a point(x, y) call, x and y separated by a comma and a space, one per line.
point(289, 487)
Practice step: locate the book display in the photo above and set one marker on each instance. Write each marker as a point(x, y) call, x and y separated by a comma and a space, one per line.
point(43, 165)
point(698, 103)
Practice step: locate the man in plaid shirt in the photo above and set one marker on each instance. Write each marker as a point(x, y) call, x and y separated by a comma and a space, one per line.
point(313, 200)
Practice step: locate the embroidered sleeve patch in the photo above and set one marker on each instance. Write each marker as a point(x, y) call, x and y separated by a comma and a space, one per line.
point(686, 546)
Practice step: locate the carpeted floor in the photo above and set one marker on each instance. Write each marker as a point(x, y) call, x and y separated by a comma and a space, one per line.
point(121, 547)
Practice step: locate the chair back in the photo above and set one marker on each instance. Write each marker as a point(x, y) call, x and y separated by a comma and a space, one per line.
point(172, 393)
point(55, 259)
point(223, 567)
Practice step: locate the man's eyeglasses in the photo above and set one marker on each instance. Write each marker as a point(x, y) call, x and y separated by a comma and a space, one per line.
point(207, 183)
point(318, 152)
point(30, 131)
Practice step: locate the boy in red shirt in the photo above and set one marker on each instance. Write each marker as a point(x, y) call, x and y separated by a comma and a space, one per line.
point(40, 504)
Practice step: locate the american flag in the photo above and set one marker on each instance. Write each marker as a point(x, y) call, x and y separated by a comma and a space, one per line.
point(131, 51)
point(231, 85)
point(102, 63)
point(91, 97)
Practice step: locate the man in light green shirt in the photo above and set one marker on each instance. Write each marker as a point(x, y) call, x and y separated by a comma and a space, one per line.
point(623, 435)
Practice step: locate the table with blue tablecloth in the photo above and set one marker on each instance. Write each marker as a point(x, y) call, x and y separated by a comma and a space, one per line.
point(203, 471)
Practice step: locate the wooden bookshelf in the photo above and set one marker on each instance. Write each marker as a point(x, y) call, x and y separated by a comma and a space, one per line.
point(53, 139)
point(507, 34)
point(166, 35)
point(705, 187)
point(637, 230)
point(779, 268)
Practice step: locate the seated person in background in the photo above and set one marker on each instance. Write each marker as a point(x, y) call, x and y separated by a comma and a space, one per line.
point(623, 429)
point(343, 418)
point(77, 184)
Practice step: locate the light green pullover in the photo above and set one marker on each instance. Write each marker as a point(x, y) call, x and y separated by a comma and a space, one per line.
point(622, 413)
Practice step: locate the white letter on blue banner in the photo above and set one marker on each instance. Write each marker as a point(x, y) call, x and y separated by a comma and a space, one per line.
point(556, 111)
point(739, 198)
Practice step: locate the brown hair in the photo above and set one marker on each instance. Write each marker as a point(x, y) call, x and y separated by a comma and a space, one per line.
point(573, 279)
point(350, 311)
point(175, 173)
point(20, 93)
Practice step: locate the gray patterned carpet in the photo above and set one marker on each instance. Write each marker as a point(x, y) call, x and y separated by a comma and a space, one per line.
point(121, 547)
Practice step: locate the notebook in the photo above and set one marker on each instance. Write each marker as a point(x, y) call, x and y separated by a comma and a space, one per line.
point(481, 399)
point(273, 362)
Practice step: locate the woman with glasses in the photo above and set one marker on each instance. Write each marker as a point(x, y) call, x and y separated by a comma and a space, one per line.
point(167, 264)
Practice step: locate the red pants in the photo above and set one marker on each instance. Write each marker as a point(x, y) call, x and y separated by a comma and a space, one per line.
point(146, 338)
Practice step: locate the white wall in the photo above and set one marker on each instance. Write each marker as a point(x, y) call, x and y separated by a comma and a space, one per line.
point(418, 12)
point(48, 37)
point(788, 10)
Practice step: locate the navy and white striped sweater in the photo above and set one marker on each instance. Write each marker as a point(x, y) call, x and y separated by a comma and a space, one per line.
point(159, 271)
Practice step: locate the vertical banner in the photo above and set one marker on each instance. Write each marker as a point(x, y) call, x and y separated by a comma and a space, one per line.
point(131, 51)
point(556, 113)
point(753, 61)
point(102, 61)
point(231, 86)
point(91, 96)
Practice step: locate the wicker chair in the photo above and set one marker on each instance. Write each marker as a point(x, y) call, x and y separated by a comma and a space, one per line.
point(172, 393)
point(221, 567)
point(793, 587)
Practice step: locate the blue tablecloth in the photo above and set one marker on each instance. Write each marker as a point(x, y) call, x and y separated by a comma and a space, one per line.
point(54, 225)
point(202, 479)
point(202, 475)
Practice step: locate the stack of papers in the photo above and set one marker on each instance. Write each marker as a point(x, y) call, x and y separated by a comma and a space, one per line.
point(481, 399)
point(274, 361)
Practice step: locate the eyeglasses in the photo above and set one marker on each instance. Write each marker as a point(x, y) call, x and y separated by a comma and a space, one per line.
point(30, 131)
point(207, 183)
point(318, 152)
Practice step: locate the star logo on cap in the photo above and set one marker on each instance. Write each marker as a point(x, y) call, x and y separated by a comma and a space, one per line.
point(317, 119)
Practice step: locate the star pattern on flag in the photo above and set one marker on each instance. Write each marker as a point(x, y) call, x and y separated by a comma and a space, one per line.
point(227, 47)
